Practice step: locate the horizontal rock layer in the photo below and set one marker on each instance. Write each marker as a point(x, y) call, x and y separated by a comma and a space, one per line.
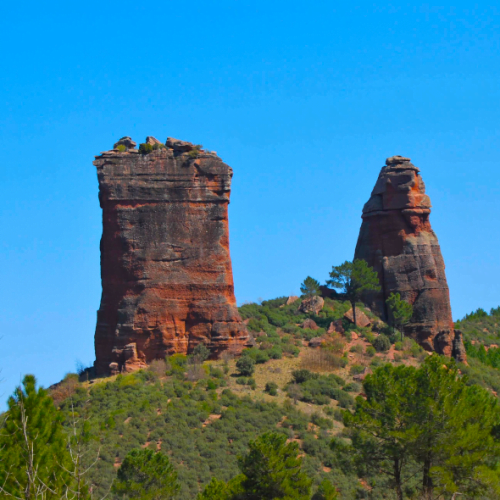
point(166, 272)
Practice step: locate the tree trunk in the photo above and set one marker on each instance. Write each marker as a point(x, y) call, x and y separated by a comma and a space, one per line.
point(354, 313)
point(397, 479)
point(427, 480)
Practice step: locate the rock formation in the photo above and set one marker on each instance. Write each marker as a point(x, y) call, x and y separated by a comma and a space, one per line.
point(397, 240)
point(166, 272)
point(312, 304)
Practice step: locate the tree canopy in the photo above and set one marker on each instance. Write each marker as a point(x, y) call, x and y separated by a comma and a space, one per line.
point(146, 475)
point(429, 422)
point(34, 460)
point(309, 287)
point(354, 279)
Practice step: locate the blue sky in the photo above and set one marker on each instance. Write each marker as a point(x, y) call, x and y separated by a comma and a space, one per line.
point(304, 100)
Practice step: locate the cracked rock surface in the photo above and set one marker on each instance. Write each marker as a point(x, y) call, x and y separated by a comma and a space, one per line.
point(167, 281)
point(397, 240)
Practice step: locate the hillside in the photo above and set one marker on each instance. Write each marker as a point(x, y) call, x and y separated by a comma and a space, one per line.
point(203, 415)
point(481, 332)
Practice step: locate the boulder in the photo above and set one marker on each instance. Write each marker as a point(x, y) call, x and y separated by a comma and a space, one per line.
point(310, 324)
point(336, 327)
point(167, 283)
point(181, 146)
point(151, 140)
point(362, 319)
point(316, 342)
point(361, 376)
point(397, 240)
point(291, 299)
point(458, 348)
point(125, 141)
point(312, 304)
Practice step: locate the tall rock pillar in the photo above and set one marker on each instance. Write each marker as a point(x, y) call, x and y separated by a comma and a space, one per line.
point(397, 240)
point(167, 281)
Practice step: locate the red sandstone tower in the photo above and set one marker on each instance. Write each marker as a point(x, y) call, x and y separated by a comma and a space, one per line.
point(166, 272)
point(397, 240)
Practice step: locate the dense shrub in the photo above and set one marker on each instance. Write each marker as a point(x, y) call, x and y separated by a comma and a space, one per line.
point(382, 343)
point(245, 366)
point(272, 388)
point(370, 351)
point(356, 369)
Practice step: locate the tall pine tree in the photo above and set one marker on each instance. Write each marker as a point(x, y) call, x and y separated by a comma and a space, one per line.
point(34, 460)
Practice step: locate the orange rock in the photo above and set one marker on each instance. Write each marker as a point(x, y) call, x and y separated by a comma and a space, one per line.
point(362, 319)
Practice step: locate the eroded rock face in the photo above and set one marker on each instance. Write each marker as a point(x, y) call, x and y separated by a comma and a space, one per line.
point(397, 240)
point(165, 264)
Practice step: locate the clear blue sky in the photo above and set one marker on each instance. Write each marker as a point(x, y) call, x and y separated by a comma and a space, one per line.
point(304, 100)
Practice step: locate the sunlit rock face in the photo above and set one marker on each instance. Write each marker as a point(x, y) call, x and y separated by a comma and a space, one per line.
point(167, 281)
point(397, 240)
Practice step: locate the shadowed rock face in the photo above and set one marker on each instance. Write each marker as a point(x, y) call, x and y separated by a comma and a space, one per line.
point(166, 272)
point(397, 240)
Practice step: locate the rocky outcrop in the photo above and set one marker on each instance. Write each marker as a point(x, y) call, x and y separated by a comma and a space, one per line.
point(312, 304)
point(362, 320)
point(166, 272)
point(310, 324)
point(458, 348)
point(397, 240)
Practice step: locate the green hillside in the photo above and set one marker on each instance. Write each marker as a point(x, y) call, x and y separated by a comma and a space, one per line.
point(204, 418)
point(203, 414)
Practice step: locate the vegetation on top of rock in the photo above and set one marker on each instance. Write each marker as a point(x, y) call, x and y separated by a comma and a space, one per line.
point(195, 152)
point(146, 148)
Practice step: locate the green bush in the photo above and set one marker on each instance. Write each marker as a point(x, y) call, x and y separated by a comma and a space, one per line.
point(194, 153)
point(122, 148)
point(300, 376)
point(241, 381)
point(398, 346)
point(352, 387)
point(262, 357)
point(321, 422)
point(145, 148)
point(275, 353)
point(382, 343)
point(370, 351)
point(245, 366)
point(356, 369)
point(271, 388)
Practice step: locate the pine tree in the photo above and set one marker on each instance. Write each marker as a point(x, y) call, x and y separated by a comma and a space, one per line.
point(146, 475)
point(273, 469)
point(431, 419)
point(309, 287)
point(400, 310)
point(34, 460)
point(353, 279)
point(382, 438)
point(457, 443)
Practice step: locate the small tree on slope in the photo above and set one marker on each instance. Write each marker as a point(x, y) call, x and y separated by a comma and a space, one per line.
point(354, 278)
